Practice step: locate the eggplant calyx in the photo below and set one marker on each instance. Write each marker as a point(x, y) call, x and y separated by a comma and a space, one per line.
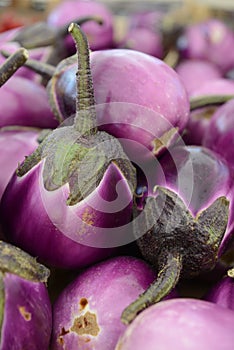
point(209, 100)
point(176, 243)
point(18, 262)
point(167, 279)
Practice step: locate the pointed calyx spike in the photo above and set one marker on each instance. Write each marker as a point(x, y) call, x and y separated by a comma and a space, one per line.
point(85, 120)
point(12, 64)
point(176, 243)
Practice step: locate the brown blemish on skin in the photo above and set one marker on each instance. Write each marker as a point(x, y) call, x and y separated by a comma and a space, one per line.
point(26, 315)
point(87, 217)
point(61, 335)
point(83, 303)
point(86, 324)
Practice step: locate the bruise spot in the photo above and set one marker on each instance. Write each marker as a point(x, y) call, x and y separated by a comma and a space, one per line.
point(61, 335)
point(86, 324)
point(83, 303)
point(26, 315)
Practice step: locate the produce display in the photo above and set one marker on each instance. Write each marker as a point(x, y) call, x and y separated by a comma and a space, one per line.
point(117, 178)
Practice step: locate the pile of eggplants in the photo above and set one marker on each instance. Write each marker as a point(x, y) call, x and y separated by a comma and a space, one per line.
point(116, 184)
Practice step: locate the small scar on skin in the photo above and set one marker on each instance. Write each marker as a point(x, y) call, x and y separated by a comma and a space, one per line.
point(83, 303)
point(86, 324)
point(26, 315)
point(60, 337)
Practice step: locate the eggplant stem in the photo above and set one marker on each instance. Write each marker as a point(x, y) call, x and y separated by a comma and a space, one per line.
point(166, 280)
point(204, 101)
point(62, 32)
point(41, 68)
point(12, 64)
point(85, 119)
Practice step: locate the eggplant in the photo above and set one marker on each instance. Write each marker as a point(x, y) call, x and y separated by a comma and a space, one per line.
point(209, 40)
point(128, 84)
point(222, 293)
point(200, 116)
point(185, 221)
point(86, 311)
point(69, 182)
point(99, 37)
point(143, 40)
point(26, 312)
point(196, 72)
point(218, 136)
point(15, 144)
point(182, 323)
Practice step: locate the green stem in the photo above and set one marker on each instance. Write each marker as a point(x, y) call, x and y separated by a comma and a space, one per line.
point(62, 32)
point(12, 64)
point(44, 69)
point(204, 101)
point(85, 120)
point(167, 279)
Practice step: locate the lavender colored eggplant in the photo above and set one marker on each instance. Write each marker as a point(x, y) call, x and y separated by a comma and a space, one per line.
point(127, 84)
point(196, 72)
point(25, 103)
point(209, 40)
point(100, 37)
point(143, 40)
point(186, 221)
point(72, 178)
point(88, 311)
point(15, 145)
point(25, 313)
point(182, 323)
point(219, 135)
point(199, 118)
point(222, 293)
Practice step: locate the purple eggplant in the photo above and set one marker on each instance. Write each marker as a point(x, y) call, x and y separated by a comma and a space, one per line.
point(100, 37)
point(128, 84)
point(209, 40)
point(15, 144)
point(186, 221)
point(81, 182)
point(150, 19)
point(143, 40)
point(182, 323)
point(87, 313)
point(196, 72)
point(25, 313)
point(25, 102)
point(200, 117)
point(222, 293)
point(219, 135)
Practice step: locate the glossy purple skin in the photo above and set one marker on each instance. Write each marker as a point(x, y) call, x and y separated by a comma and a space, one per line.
point(27, 321)
point(182, 324)
point(40, 222)
point(25, 103)
point(199, 119)
point(196, 72)
point(145, 19)
point(127, 85)
point(99, 36)
point(107, 287)
point(222, 293)
point(209, 40)
point(14, 145)
point(143, 40)
point(40, 54)
point(199, 176)
point(219, 136)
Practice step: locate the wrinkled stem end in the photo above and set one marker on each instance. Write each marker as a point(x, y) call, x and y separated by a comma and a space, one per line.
point(167, 279)
point(12, 64)
point(85, 93)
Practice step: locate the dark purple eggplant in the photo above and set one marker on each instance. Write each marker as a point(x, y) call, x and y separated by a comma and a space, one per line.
point(25, 312)
point(222, 293)
point(186, 220)
point(69, 182)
